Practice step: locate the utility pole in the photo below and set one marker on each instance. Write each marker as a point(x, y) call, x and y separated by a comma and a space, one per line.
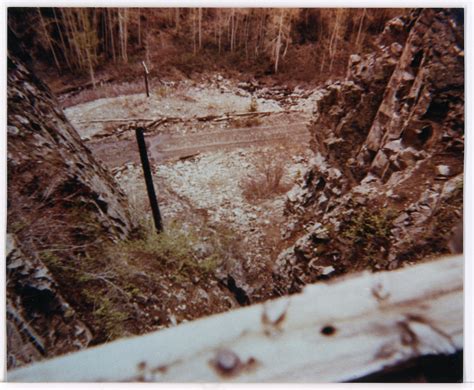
point(148, 179)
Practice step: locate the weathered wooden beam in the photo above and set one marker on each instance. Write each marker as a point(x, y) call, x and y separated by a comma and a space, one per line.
point(331, 332)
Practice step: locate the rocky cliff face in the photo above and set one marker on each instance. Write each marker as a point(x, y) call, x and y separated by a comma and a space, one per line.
point(60, 202)
point(385, 184)
point(39, 320)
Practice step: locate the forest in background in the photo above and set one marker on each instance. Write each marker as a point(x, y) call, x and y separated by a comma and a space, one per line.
point(304, 44)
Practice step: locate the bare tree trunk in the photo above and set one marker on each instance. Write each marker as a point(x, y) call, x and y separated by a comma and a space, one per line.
point(63, 44)
point(139, 28)
point(287, 40)
point(120, 25)
point(111, 33)
point(123, 33)
point(200, 27)
point(246, 37)
point(220, 32)
point(88, 30)
point(176, 20)
point(125, 28)
point(72, 32)
point(94, 30)
point(147, 49)
point(257, 40)
point(286, 48)
point(278, 41)
point(334, 39)
point(236, 29)
point(332, 36)
point(261, 35)
point(322, 61)
point(91, 68)
point(105, 36)
point(48, 38)
point(194, 32)
point(357, 43)
point(232, 30)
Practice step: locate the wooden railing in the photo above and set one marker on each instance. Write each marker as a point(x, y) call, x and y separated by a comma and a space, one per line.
point(336, 331)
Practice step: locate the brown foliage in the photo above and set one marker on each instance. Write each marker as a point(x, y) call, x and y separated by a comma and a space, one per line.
point(267, 179)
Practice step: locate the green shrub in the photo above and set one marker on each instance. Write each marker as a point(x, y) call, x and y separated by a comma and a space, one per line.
point(370, 225)
point(369, 233)
point(175, 248)
point(50, 259)
point(110, 317)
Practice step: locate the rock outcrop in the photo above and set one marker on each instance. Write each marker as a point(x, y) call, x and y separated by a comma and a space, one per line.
point(60, 202)
point(385, 184)
point(39, 320)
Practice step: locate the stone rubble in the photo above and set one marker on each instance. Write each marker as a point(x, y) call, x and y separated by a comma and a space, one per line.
point(207, 191)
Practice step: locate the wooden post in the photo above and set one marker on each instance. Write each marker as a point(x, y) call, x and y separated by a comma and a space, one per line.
point(145, 74)
point(148, 179)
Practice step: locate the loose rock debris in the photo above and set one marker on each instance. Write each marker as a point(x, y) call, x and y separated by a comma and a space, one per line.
point(206, 193)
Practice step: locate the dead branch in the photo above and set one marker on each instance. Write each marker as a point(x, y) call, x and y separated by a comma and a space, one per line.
point(165, 119)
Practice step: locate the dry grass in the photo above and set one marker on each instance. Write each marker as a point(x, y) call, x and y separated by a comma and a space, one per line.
point(162, 91)
point(267, 179)
point(249, 121)
point(246, 122)
point(109, 283)
point(253, 106)
point(176, 252)
point(135, 105)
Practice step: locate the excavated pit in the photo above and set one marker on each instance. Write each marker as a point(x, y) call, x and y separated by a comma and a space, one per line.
point(225, 177)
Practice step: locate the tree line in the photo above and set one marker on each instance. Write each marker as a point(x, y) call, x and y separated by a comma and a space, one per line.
point(81, 39)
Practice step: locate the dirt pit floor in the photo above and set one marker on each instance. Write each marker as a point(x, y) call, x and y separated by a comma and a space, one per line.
point(213, 177)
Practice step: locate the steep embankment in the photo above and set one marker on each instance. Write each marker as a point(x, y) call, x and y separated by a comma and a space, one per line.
point(61, 203)
point(385, 185)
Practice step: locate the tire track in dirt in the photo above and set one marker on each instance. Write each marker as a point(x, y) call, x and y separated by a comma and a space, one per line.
point(162, 147)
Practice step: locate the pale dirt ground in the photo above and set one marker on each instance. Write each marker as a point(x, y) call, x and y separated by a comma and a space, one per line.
point(181, 100)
